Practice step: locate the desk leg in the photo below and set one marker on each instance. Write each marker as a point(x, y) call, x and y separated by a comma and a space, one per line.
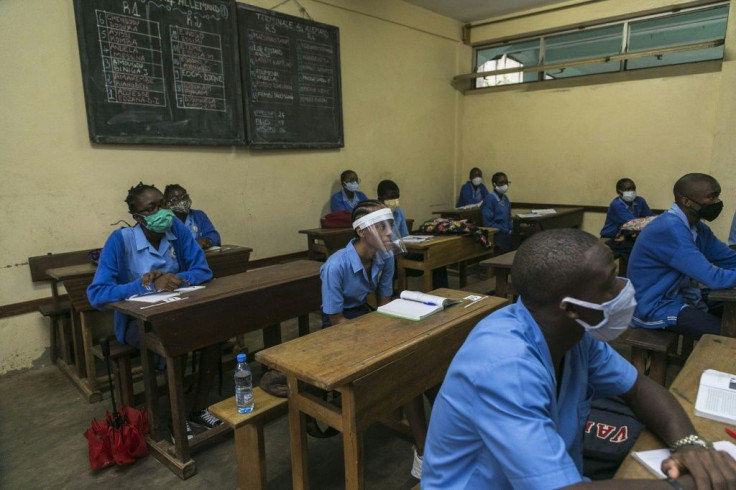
point(303, 325)
point(728, 322)
point(89, 358)
point(298, 435)
point(150, 387)
point(502, 283)
point(175, 368)
point(401, 278)
point(462, 268)
point(427, 281)
point(77, 342)
point(272, 335)
point(353, 440)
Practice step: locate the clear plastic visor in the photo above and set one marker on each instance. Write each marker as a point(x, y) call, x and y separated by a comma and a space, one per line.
point(380, 231)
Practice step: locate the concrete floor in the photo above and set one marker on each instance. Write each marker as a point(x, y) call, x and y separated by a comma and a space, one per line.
point(43, 417)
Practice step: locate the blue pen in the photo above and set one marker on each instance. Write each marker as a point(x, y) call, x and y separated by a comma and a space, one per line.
point(430, 304)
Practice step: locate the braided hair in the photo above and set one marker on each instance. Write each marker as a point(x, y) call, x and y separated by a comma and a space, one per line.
point(136, 191)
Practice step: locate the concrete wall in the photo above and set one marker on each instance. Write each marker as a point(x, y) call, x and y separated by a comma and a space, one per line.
point(60, 193)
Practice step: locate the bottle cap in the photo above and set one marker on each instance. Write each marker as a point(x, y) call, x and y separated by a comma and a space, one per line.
point(241, 358)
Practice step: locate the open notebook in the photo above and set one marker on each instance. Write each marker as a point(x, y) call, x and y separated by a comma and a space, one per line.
point(652, 459)
point(414, 305)
point(162, 296)
point(717, 396)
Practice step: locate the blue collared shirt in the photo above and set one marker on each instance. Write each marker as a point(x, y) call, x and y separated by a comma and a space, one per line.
point(142, 257)
point(345, 282)
point(340, 202)
point(500, 421)
point(200, 226)
point(496, 212)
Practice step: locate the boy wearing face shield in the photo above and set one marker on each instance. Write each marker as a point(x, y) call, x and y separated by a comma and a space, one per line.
point(625, 207)
point(157, 254)
point(203, 231)
point(671, 260)
point(364, 266)
point(513, 406)
point(473, 191)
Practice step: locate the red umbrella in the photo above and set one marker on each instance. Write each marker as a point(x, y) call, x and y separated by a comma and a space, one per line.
point(120, 437)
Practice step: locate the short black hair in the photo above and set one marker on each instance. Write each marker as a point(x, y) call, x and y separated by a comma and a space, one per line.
point(387, 187)
point(173, 187)
point(475, 169)
point(497, 176)
point(345, 174)
point(621, 182)
point(136, 191)
point(550, 265)
point(683, 185)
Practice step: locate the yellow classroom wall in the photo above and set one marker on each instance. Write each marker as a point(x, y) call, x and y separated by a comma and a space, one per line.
point(59, 193)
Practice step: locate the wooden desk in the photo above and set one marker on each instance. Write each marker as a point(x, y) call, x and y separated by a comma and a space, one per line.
point(326, 241)
point(501, 268)
point(564, 218)
point(712, 351)
point(440, 251)
point(228, 260)
point(473, 214)
point(226, 307)
point(728, 319)
point(377, 363)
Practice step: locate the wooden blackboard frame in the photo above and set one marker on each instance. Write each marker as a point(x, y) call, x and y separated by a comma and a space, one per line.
point(307, 121)
point(171, 77)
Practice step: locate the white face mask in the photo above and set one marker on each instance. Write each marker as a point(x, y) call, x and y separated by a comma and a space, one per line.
point(502, 189)
point(352, 186)
point(617, 314)
point(477, 181)
point(628, 196)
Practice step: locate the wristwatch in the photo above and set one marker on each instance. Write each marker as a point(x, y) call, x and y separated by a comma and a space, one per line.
point(691, 440)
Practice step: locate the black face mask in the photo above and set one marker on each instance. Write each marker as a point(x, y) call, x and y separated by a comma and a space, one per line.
point(709, 212)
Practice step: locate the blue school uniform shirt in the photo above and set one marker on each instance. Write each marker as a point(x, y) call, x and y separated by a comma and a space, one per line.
point(345, 283)
point(732, 233)
point(496, 211)
point(619, 212)
point(340, 202)
point(400, 222)
point(498, 421)
point(128, 254)
point(668, 253)
point(470, 194)
point(200, 226)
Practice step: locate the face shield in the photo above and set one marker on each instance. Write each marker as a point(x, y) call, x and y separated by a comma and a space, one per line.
point(381, 232)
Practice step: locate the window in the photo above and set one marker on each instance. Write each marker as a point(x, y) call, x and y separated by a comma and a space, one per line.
point(659, 40)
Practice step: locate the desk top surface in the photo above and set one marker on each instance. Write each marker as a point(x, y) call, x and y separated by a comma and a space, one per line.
point(337, 355)
point(711, 352)
point(441, 239)
point(503, 261)
point(326, 231)
point(225, 287)
point(559, 212)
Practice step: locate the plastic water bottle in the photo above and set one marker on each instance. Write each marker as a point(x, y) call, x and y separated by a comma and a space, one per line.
point(243, 386)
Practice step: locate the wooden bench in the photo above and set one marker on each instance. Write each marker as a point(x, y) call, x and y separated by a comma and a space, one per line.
point(501, 265)
point(120, 356)
point(652, 347)
point(250, 452)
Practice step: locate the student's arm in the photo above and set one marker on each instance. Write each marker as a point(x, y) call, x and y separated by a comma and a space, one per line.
point(732, 234)
point(463, 198)
point(106, 286)
point(645, 211)
point(687, 258)
point(620, 213)
point(336, 203)
point(332, 296)
point(385, 287)
point(207, 229)
point(487, 210)
point(193, 268)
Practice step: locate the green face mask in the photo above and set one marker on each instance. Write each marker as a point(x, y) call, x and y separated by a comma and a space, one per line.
point(160, 221)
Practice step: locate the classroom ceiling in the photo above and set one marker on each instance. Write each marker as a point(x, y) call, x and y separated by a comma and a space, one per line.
point(475, 10)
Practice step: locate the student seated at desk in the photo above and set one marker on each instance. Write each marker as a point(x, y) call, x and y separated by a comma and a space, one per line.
point(675, 254)
point(496, 212)
point(346, 198)
point(625, 207)
point(157, 254)
point(388, 194)
point(513, 407)
point(473, 191)
point(364, 266)
point(203, 231)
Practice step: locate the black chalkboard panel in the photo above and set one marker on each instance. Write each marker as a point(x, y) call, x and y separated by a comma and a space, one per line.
point(291, 80)
point(161, 71)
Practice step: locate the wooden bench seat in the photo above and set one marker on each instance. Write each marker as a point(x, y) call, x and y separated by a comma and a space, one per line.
point(120, 356)
point(652, 347)
point(250, 452)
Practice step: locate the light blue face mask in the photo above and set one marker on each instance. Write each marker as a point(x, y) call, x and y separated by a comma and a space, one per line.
point(352, 186)
point(617, 313)
point(160, 221)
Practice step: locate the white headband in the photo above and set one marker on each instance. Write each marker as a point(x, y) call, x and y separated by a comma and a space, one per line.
point(369, 219)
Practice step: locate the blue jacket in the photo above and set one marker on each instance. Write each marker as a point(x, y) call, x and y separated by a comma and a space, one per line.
point(469, 195)
point(619, 212)
point(201, 227)
point(112, 281)
point(496, 212)
point(339, 200)
point(666, 257)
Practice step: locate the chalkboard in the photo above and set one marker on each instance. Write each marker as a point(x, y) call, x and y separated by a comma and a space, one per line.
point(161, 71)
point(291, 80)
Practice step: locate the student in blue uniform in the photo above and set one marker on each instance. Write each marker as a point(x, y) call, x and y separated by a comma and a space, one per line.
point(496, 212)
point(203, 231)
point(625, 207)
point(346, 198)
point(473, 191)
point(675, 254)
point(512, 409)
point(157, 254)
point(364, 266)
point(732, 233)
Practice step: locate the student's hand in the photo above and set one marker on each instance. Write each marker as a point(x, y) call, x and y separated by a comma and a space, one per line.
point(168, 282)
point(149, 277)
point(709, 468)
point(205, 243)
